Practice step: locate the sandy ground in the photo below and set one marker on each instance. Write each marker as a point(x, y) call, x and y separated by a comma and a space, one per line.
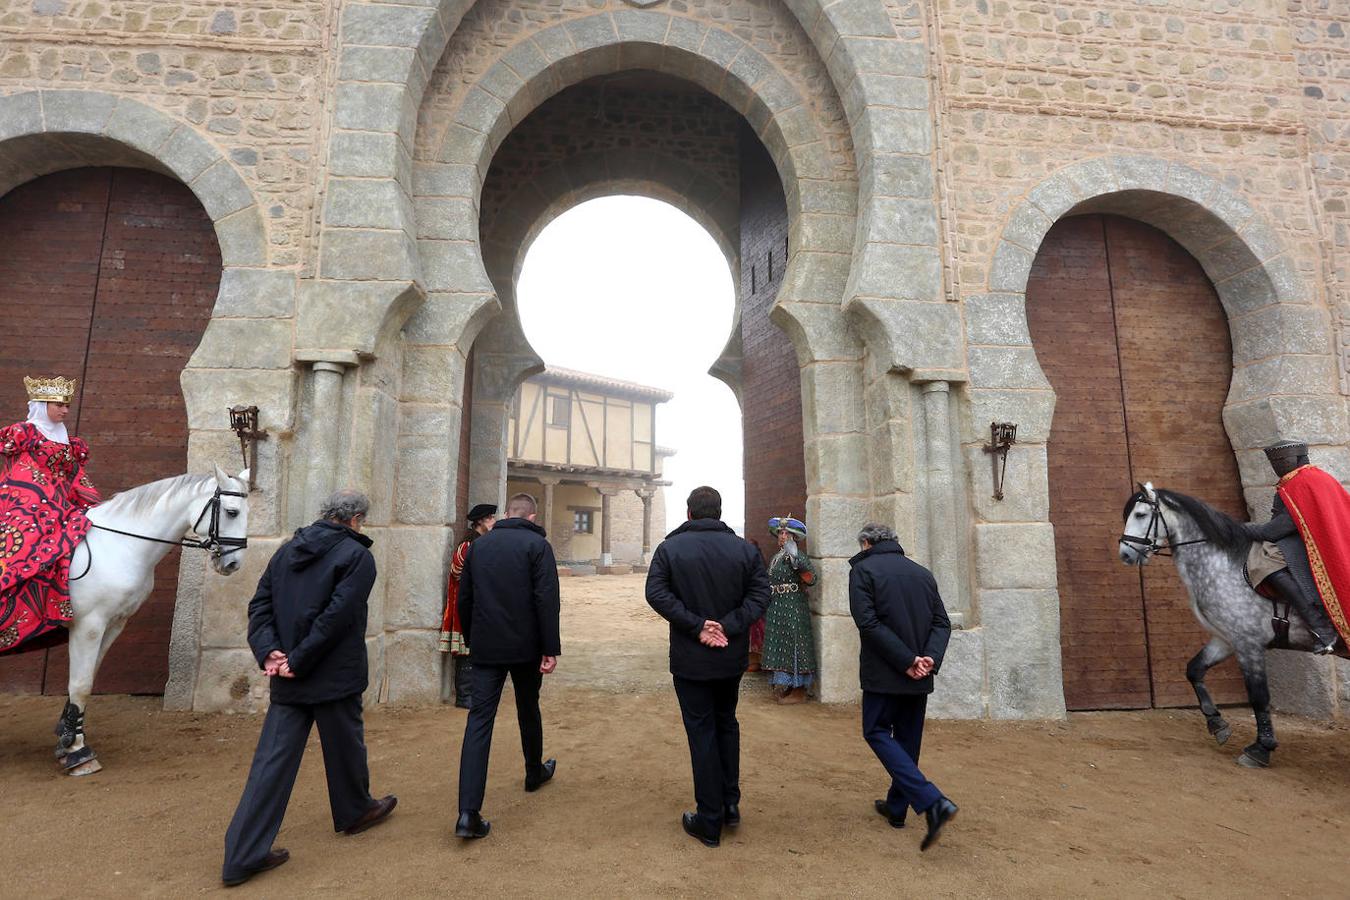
point(1111, 805)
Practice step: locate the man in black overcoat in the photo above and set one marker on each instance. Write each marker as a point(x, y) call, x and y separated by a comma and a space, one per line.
point(904, 629)
point(508, 608)
point(710, 585)
point(306, 627)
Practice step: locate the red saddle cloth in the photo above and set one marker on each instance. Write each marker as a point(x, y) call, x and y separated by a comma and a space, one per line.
point(1321, 510)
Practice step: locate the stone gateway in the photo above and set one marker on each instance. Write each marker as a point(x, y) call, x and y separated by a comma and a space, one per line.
point(939, 215)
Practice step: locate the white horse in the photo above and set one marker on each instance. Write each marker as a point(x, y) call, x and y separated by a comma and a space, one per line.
point(112, 571)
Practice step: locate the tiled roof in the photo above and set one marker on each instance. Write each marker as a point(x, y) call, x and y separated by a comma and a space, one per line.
point(573, 378)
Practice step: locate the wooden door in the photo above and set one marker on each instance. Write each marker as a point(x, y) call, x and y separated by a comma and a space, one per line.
point(108, 275)
point(1135, 342)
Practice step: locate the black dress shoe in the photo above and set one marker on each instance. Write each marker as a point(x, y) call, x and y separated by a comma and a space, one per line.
point(472, 825)
point(695, 828)
point(545, 773)
point(939, 814)
point(731, 815)
point(884, 808)
point(270, 861)
point(378, 812)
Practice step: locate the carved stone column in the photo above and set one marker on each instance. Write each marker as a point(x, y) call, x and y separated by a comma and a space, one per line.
point(606, 523)
point(326, 418)
point(942, 514)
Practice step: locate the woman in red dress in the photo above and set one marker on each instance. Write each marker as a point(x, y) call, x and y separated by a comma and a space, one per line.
point(44, 493)
point(481, 519)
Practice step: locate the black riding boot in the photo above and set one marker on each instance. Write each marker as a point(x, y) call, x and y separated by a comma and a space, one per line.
point(463, 672)
point(1310, 608)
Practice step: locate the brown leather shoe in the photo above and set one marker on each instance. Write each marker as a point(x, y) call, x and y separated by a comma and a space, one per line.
point(378, 812)
point(278, 856)
point(794, 696)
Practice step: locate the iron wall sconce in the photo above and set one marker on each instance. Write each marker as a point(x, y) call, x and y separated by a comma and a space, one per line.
point(1002, 435)
point(244, 423)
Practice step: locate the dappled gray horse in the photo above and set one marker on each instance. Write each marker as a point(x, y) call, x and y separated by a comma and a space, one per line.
point(1210, 549)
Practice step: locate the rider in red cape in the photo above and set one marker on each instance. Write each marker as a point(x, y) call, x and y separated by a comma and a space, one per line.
point(1320, 508)
point(1302, 554)
point(43, 497)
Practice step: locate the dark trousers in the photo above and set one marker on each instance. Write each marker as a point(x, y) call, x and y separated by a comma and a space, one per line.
point(275, 764)
point(709, 711)
point(488, 681)
point(893, 728)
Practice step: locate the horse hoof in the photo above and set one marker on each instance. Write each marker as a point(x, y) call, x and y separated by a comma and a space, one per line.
point(1223, 734)
point(88, 768)
point(80, 762)
point(1247, 761)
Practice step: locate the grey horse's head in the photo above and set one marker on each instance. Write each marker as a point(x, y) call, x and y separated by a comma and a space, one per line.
point(1141, 535)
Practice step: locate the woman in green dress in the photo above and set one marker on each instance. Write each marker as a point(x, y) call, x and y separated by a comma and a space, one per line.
point(789, 650)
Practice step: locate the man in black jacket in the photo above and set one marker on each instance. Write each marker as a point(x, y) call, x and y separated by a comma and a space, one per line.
point(306, 627)
point(710, 585)
point(508, 608)
point(904, 629)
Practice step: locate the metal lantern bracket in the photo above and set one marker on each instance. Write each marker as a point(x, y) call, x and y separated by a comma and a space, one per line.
point(1002, 435)
point(244, 423)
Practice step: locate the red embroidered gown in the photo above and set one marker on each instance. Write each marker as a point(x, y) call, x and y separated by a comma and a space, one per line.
point(43, 497)
point(452, 637)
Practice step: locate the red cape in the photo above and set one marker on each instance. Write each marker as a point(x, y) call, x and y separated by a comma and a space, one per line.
point(1321, 510)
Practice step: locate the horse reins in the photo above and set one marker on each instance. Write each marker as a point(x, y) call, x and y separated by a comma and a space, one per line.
point(1149, 542)
point(214, 542)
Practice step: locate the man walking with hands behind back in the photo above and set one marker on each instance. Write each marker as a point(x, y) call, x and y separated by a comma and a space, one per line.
point(307, 629)
point(710, 585)
point(508, 607)
point(904, 629)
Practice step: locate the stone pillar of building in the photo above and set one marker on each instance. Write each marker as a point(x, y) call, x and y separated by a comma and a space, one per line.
point(943, 552)
point(546, 510)
point(328, 369)
point(606, 524)
point(646, 495)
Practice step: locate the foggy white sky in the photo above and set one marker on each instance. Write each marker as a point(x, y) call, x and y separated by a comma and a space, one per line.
point(634, 289)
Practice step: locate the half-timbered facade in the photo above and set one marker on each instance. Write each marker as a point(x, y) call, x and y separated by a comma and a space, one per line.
point(585, 446)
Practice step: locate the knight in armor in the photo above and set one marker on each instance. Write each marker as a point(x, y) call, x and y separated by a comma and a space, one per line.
point(44, 494)
point(1280, 556)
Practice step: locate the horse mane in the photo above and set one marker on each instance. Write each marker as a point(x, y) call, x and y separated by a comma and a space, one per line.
point(145, 499)
point(1216, 526)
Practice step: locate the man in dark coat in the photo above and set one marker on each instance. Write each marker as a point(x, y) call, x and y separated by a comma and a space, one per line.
point(710, 585)
point(904, 629)
point(306, 627)
point(509, 608)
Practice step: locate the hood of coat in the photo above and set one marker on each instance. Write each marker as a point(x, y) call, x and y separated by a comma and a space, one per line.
point(520, 523)
point(693, 525)
point(877, 548)
point(313, 542)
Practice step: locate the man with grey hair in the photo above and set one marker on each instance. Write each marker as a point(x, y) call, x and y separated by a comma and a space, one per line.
point(904, 629)
point(306, 627)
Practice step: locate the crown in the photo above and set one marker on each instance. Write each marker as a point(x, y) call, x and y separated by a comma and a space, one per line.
point(50, 390)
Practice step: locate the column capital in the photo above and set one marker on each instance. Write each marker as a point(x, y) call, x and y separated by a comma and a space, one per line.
point(548, 480)
point(605, 490)
point(328, 360)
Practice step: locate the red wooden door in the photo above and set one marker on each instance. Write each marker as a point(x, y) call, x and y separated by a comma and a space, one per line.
point(108, 275)
point(1135, 342)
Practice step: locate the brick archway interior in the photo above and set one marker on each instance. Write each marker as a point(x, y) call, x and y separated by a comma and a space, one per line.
point(1132, 336)
point(108, 275)
point(633, 123)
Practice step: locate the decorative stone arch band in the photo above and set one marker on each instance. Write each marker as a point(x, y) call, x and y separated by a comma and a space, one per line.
point(47, 131)
point(1284, 372)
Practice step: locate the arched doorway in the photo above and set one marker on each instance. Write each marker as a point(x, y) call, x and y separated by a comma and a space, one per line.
point(108, 275)
point(1134, 340)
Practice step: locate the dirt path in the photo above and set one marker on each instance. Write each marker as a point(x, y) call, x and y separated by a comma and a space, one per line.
point(1111, 805)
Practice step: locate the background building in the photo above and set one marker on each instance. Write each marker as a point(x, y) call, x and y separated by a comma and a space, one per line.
point(585, 447)
point(1124, 227)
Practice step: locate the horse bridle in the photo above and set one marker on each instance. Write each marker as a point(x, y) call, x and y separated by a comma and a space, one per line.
point(1149, 544)
point(214, 543)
